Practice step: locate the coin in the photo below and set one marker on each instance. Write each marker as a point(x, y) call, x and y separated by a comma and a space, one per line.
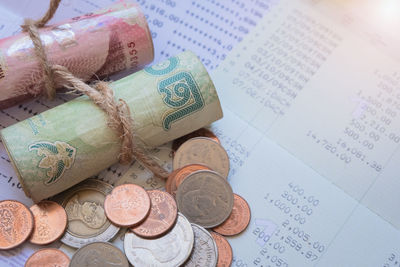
point(87, 222)
point(205, 198)
point(172, 249)
point(205, 252)
point(204, 151)
point(238, 220)
point(185, 171)
point(225, 254)
point(170, 185)
point(99, 254)
point(50, 220)
point(202, 132)
point(127, 205)
point(48, 257)
point(16, 223)
point(162, 215)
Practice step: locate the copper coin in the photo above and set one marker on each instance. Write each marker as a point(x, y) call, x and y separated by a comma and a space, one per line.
point(170, 185)
point(50, 222)
point(182, 173)
point(48, 257)
point(127, 205)
point(225, 254)
point(202, 132)
point(162, 215)
point(16, 223)
point(239, 219)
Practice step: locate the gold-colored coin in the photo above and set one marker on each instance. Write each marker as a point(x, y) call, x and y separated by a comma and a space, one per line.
point(87, 221)
point(204, 151)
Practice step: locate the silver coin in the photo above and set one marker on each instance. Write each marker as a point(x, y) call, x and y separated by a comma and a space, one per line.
point(172, 249)
point(205, 251)
point(87, 222)
point(205, 198)
point(204, 151)
point(99, 254)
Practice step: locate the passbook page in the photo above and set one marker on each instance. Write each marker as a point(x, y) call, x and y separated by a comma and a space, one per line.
point(298, 218)
point(323, 81)
point(311, 127)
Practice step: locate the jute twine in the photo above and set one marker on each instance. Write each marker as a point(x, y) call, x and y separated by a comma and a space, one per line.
point(119, 116)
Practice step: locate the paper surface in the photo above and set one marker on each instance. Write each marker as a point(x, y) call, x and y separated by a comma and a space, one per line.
point(313, 126)
point(309, 208)
point(175, 26)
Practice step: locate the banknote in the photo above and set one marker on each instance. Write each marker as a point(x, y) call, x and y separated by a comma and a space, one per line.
point(92, 45)
point(60, 147)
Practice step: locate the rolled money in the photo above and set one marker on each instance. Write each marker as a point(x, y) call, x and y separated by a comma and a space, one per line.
point(93, 45)
point(64, 145)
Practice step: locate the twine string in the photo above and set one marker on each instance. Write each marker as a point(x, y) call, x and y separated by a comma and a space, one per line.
point(118, 114)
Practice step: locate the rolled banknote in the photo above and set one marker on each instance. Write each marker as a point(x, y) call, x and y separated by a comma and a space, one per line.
point(64, 145)
point(94, 45)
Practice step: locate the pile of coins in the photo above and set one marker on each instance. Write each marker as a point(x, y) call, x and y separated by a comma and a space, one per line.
point(42, 224)
point(163, 228)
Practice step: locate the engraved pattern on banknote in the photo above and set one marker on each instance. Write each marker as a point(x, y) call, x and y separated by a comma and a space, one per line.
point(58, 157)
point(163, 67)
point(182, 94)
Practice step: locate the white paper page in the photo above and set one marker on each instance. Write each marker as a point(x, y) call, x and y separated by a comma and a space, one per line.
point(298, 218)
point(316, 78)
point(209, 28)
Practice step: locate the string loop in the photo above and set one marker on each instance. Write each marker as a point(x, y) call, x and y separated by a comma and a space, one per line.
point(118, 113)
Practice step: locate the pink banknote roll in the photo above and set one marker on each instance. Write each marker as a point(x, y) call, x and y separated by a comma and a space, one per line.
point(91, 46)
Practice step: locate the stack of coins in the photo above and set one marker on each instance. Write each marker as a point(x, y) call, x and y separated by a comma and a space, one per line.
point(42, 224)
point(199, 183)
point(182, 226)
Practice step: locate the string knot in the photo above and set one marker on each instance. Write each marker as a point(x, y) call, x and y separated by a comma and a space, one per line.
point(118, 114)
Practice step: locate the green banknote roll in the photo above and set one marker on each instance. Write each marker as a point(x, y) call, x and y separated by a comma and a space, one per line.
point(60, 147)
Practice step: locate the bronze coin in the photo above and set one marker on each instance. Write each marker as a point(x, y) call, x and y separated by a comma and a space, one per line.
point(162, 215)
point(48, 257)
point(50, 222)
point(16, 223)
point(225, 254)
point(238, 220)
point(170, 185)
point(127, 205)
point(183, 172)
point(202, 132)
